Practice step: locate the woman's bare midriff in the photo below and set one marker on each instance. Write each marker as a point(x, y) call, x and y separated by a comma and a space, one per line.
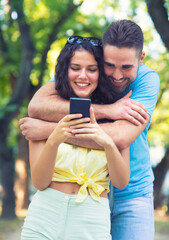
point(70, 188)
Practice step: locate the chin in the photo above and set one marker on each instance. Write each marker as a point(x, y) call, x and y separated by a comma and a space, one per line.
point(83, 95)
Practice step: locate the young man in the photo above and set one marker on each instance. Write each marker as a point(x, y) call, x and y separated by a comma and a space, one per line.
point(132, 212)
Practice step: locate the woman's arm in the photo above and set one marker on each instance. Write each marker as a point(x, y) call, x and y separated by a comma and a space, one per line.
point(42, 154)
point(118, 165)
point(42, 158)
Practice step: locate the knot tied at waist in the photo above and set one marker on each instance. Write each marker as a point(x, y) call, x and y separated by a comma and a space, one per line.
point(94, 188)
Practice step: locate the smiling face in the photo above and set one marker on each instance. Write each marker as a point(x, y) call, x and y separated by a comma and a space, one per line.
point(83, 73)
point(121, 66)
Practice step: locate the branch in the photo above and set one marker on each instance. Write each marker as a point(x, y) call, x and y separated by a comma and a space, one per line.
point(23, 82)
point(3, 46)
point(71, 8)
point(159, 16)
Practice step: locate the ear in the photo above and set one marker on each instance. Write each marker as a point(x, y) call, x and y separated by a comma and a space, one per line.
point(142, 58)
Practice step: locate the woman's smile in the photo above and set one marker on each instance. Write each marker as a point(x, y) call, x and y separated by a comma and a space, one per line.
point(82, 85)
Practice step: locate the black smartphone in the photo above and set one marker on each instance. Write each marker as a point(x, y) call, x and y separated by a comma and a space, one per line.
point(80, 105)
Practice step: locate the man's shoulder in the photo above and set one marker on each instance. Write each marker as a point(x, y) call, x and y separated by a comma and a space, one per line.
point(146, 75)
point(143, 70)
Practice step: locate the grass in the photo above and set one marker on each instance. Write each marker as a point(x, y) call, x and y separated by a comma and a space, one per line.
point(161, 224)
point(162, 227)
point(8, 226)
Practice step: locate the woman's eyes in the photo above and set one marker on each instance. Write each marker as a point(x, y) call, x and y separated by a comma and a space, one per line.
point(75, 69)
point(90, 69)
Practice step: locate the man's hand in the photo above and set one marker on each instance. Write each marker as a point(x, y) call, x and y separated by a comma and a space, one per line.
point(129, 109)
point(35, 129)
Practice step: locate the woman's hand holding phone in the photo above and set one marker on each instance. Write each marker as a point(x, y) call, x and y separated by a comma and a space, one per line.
point(92, 130)
point(77, 125)
point(63, 130)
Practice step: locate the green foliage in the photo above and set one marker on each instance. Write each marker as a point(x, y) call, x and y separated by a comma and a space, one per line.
point(158, 134)
point(46, 17)
point(7, 109)
point(166, 4)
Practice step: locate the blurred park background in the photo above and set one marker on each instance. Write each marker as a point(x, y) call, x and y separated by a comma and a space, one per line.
point(32, 32)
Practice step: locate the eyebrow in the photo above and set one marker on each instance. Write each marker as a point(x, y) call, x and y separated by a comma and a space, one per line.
point(127, 65)
point(112, 64)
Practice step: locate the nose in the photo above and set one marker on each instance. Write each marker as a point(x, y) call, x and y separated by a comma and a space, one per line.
point(117, 74)
point(83, 74)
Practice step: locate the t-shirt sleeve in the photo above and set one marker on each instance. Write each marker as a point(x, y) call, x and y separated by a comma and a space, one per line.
point(52, 79)
point(146, 89)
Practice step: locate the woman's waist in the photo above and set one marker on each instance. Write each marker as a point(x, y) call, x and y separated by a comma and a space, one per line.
point(71, 188)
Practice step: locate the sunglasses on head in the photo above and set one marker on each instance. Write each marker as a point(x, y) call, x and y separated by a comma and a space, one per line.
point(78, 39)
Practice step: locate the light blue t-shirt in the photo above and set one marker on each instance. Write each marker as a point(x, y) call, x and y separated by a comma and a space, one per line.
point(145, 90)
point(52, 79)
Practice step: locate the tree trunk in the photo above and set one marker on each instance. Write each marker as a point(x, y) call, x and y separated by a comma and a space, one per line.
point(7, 162)
point(19, 93)
point(22, 175)
point(160, 172)
point(158, 13)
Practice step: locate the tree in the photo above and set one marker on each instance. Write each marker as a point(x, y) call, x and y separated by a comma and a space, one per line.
point(12, 107)
point(158, 12)
point(36, 38)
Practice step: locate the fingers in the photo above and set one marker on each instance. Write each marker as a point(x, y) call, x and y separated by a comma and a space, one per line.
point(74, 119)
point(92, 116)
point(83, 131)
point(139, 112)
point(69, 117)
point(23, 130)
point(24, 127)
point(132, 120)
point(135, 112)
point(135, 118)
point(21, 125)
point(22, 121)
point(82, 125)
point(138, 104)
point(140, 115)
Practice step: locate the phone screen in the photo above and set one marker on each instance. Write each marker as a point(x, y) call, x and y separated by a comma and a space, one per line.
point(80, 105)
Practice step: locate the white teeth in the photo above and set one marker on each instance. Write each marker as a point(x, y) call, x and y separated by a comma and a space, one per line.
point(82, 84)
point(118, 81)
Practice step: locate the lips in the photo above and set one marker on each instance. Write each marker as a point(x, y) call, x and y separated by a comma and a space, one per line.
point(118, 82)
point(82, 85)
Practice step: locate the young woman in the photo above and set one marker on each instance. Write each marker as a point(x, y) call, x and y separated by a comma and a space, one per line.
point(71, 202)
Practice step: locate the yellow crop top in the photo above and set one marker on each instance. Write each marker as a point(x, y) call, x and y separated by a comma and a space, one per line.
point(87, 167)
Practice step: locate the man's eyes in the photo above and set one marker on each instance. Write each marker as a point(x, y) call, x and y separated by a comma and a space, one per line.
point(109, 64)
point(126, 67)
